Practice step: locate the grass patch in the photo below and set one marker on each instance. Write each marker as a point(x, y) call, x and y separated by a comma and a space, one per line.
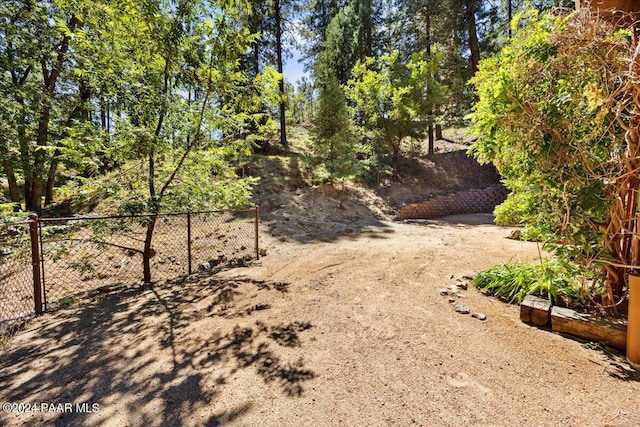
point(69, 301)
point(553, 279)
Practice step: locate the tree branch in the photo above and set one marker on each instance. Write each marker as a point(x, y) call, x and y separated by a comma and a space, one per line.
point(196, 137)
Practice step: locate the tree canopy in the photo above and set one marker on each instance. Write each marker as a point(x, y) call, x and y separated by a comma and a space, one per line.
point(171, 95)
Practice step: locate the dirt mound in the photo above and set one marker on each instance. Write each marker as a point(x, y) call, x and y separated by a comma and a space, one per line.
point(293, 209)
point(443, 173)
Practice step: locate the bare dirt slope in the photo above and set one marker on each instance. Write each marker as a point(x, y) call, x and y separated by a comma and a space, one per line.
point(346, 328)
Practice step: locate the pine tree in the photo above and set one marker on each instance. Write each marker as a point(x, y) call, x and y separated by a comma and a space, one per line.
point(333, 139)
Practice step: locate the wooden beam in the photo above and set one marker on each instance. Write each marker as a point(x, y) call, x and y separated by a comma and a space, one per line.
point(606, 330)
point(535, 311)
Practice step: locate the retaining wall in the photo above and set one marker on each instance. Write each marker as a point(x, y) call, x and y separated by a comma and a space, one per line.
point(462, 202)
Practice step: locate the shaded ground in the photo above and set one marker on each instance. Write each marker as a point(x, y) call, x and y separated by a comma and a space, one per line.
point(346, 332)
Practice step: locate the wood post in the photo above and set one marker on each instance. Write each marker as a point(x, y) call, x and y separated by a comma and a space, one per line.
point(35, 263)
point(256, 231)
point(189, 241)
point(633, 322)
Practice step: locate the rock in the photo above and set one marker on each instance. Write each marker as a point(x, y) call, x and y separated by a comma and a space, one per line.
point(479, 316)
point(464, 286)
point(467, 277)
point(444, 291)
point(461, 309)
point(451, 299)
point(486, 292)
point(205, 266)
point(516, 235)
point(453, 288)
point(459, 295)
point(450, 276)
point(262, 252)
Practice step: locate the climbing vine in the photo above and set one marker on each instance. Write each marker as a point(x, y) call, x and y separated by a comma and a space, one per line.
point(556, 117)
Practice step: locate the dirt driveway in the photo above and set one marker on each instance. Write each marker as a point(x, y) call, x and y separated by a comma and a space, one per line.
point(345, 330)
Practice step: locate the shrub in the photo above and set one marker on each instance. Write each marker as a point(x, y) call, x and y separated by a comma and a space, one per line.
point(553, 279)
point(551, 116)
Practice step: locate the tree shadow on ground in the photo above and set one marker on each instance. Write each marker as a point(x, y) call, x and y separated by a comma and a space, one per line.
point(618, 366)
point(154, 357)
point(458, 221)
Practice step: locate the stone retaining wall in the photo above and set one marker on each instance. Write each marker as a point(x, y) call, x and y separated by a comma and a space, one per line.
point(462, 202)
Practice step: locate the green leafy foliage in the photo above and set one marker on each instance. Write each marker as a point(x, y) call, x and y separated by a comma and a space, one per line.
point(547, 118)
point(553, 279)
point(390, 98)
point(154, 82)
point(333, 138)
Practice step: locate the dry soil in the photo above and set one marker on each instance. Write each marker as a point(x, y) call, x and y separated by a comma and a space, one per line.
point(343, 328)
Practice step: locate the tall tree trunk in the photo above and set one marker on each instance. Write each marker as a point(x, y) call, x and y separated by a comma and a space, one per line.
point(255, 58)
point(14, 192)
point(283, 118)
point(474, 45)
point(431, 139)
point(25, 159)
point(395, 161)
point(431, 148)
point(438, 132)
point(509, 17)
point(148, 252)
point(50, 79)
point(103, 115)
point(51, 177)
point(155, 198)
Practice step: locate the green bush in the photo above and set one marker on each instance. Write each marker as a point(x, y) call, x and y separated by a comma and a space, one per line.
point(550, 116)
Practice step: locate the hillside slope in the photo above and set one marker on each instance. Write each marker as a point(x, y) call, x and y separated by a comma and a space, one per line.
point(293, 209)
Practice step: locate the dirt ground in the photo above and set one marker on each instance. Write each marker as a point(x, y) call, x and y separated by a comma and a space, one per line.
point(343, 328)
point(342, 323)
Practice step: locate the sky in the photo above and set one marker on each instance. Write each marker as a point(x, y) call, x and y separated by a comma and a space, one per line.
point(293, 69)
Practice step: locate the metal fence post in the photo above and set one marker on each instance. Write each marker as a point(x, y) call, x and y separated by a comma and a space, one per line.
point(35, 263)
point(257, 219)
point(189, 240)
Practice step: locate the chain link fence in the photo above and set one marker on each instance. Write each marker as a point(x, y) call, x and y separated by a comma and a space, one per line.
point(16, 276)
point(83, 257)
